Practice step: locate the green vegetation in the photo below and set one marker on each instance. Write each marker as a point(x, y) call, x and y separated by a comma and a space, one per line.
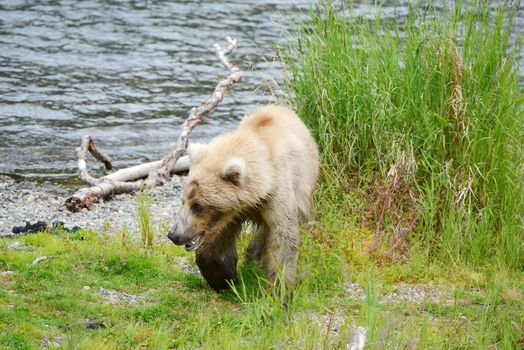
point(59, 299)
point(416, 234)
point(144, 218)
point(421, 125)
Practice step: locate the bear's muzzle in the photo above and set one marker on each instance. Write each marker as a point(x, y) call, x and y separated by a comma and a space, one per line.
point(191, 241)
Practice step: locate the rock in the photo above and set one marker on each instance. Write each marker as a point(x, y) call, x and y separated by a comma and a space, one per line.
point(48, 342)
point(58, 224)
point(30, 228)
point(93, 325)
point(357, 336)
point(40, 259)
point(17, 246)
point(331, 323)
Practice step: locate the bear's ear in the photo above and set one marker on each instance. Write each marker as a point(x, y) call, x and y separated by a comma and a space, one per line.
point(196, 152)
point(234, 171)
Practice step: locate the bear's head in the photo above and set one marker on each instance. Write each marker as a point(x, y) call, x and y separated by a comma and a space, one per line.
point(221, 184)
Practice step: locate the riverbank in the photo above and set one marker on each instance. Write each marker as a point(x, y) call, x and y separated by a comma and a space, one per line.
point(24, 201)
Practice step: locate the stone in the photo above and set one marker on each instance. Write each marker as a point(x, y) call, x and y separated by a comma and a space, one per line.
point(357, 338)
point(48, 342)
point(94, 325)
point(17, 246)
point(40, 259)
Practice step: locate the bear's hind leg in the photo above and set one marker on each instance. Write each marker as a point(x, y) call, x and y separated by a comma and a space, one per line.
point(282, 247)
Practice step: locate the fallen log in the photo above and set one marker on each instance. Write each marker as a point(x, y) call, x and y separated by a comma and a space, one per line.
point(152, 174)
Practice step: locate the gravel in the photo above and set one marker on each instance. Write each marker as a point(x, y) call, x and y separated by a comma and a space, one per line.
point(114, 297)
point(410, 293)
point(22, 202)
point(186, 266)
point(355, 291)
point(416, 294)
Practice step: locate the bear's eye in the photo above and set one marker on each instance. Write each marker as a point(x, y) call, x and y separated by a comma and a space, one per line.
point(197, 209)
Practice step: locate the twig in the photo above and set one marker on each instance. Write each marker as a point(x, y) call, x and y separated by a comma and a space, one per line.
point(98, 155)
point(81, 153)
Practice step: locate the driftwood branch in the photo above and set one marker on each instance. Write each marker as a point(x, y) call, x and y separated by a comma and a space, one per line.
point(197, 115)
point(152, 174)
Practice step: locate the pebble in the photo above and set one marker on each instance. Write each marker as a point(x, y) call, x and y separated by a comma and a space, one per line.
point(26, 201)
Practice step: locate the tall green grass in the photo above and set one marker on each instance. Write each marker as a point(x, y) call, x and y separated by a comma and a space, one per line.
point(424, 119)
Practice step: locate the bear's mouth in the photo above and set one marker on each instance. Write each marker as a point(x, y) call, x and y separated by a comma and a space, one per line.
point(195, 242)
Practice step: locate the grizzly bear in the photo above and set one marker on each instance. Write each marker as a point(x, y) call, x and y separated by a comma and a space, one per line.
point(264, 173)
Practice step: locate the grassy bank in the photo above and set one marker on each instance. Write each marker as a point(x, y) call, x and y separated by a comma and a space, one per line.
point(420, 126)
point(101, 292)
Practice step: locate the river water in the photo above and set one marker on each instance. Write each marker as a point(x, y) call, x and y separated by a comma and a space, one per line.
point(127, 73)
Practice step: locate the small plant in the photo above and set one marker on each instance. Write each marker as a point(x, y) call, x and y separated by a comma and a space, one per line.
point(144, 221)
point(124, 235)
point(163, 227)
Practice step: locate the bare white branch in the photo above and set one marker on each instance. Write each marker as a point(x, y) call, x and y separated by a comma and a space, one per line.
point(154, 173)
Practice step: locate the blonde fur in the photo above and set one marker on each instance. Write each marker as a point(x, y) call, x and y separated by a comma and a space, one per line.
point(264, 172)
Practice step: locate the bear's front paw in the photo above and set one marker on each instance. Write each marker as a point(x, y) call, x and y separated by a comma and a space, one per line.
point(218, 273)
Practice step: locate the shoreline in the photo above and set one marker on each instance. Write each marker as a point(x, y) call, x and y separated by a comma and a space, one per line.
point(25, 201)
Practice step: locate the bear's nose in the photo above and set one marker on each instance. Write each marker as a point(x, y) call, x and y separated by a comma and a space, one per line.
point(173, 236)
